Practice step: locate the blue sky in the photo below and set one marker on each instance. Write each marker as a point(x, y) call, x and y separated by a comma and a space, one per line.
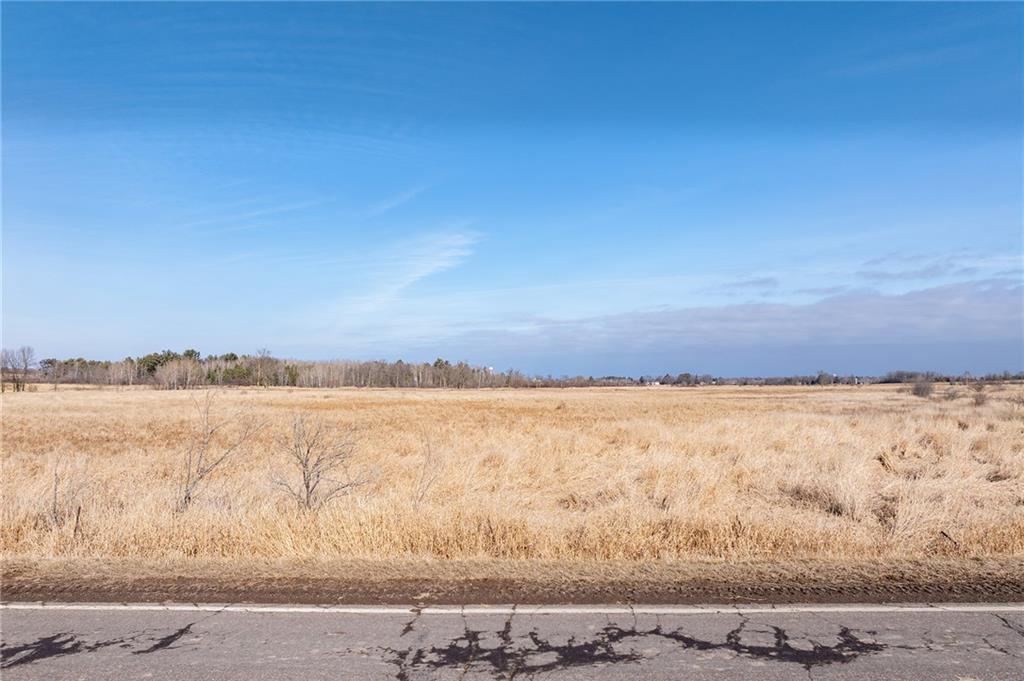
point(600, 189)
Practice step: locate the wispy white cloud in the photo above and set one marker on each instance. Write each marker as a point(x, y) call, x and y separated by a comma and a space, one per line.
point(234, 258)
point(924, 267)
point(387, 274)
point(929, 272)
point(823, 290)
point(957, 38)
point(392, 202)
point(426, 255)
point(242, 220)
point(908, 60)
point(762, 285)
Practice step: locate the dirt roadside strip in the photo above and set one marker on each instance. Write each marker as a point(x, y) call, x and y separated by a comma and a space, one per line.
point(439, 582)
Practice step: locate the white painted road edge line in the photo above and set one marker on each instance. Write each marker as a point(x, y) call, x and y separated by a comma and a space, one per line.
point(522, 609)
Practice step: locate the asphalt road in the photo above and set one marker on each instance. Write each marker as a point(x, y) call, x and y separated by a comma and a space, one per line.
point(79, 641)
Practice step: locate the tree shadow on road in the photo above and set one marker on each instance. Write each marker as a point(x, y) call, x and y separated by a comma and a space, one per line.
point(612, 645)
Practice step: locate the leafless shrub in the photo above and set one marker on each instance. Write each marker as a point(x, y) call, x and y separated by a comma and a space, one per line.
point(320, 455)
point(69, 479)
point(952, 394)
point(210, 446)
point(428, 473)
point(980, 398)
point(922, 388)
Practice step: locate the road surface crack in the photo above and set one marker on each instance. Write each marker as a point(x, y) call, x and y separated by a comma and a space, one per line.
point(1011, 625)
point(166, 641)
point(991, 645)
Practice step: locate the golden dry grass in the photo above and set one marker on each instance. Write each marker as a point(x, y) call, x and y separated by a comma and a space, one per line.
point(844, 473)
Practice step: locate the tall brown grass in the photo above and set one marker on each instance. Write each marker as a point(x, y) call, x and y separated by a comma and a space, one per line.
point(570, 474)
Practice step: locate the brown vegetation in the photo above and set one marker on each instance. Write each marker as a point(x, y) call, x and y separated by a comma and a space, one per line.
point(669, 474)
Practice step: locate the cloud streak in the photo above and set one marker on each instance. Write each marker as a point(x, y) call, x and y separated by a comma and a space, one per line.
point(762, 285)
point(392, 202)
point(909, 60)
point(893, 268)
point(230, 223)
point(389, 274)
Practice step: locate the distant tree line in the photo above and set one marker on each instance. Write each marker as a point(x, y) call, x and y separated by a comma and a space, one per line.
point(189, 369)
point(826, 378)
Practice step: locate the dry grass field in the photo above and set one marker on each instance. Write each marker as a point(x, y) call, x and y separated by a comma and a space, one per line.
point(577, 476)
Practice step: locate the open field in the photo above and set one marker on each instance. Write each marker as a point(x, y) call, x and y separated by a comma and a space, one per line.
point(570, 477)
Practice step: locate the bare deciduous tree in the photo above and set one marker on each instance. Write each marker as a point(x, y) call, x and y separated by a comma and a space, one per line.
point(211, 446)
point(7, 370)
point(17, 364)
point(320, 455)
point(264, 360)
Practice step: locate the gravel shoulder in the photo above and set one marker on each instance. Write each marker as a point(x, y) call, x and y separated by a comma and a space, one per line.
point(466, 582)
